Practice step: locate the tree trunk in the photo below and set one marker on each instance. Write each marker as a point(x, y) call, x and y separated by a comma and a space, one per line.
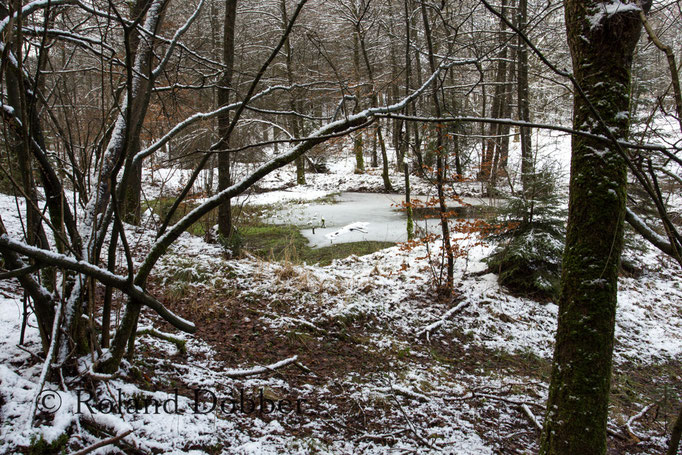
point(359, 157)
point(384, 161)
point(503, 142)
point(491, 155)
point(577, 407)
point(523, 101)
point(295, 121)
point(675, 435)
point(408, 203)
point(131, 188)
point(441, 161)
point(224, 179)
point(375, 155)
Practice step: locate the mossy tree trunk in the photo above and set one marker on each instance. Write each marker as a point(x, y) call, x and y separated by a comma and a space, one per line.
point(602, 49)
point(359, 156)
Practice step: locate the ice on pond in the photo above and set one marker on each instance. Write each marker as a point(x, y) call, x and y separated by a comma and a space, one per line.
point(356, 217)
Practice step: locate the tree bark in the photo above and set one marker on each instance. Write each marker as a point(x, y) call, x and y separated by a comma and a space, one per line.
point(131, 188)
point(491, 154)
point(675, 435)
point(441, 161)
point(295, 121)
point(224, 179)
point(523, 97)
point(602, 49)
point(359, 156)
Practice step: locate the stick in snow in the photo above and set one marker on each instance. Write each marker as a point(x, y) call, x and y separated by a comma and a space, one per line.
point(531, 416)
point(414, 431)
point(259, 370)
point(105, 442)
point(433, 327)
point(632, 420)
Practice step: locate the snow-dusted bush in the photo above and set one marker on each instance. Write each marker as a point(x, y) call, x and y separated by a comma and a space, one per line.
point(527, 258)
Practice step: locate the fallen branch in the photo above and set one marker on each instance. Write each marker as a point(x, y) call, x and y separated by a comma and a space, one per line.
point(33, 354)
point(306, 324)
point(179, 343)
point(405, 392)
point(382, 437)
point(531, 416)
point(106, 442)
point(429, 329)
point(411, 425)
point(633, 419)
point(304, 368)
point(302, 322)
point(506, 400)
point(615, 433)
point(260, 370)
point(106, 427)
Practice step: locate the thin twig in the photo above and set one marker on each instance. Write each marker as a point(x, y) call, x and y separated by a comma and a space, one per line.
point(411, 425)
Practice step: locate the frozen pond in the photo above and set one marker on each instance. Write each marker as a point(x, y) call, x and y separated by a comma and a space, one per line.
point(357, 217)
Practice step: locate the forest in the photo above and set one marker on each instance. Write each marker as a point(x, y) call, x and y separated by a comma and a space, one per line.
point(340, 227)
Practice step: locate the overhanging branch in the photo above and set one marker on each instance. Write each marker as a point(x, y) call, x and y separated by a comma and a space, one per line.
point(104, 276)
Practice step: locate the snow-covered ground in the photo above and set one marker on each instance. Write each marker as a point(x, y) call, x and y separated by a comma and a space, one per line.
point(382, 365)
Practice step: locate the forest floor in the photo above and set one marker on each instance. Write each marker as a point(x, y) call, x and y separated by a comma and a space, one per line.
point(359, 356)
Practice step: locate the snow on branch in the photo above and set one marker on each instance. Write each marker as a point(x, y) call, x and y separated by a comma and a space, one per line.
point(509, 121)
point(33, 7)
point(426, 331)
point(366, 117)
point(649, 234)
point(104, 276)
point(201, 116)
point(262, 369)
point(174, 41)
point(633, 419)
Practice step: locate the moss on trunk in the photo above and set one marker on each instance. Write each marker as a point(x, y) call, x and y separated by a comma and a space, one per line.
point(577, 409)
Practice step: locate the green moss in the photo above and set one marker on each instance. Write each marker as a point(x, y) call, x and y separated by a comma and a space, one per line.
point(325, 256)
point(280, 242)
point(41, 447)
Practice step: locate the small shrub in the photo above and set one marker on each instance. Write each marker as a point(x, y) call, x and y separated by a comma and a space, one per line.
point(528, 256)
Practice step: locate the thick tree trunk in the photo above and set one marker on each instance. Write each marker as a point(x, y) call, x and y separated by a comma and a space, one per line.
point(602, 48)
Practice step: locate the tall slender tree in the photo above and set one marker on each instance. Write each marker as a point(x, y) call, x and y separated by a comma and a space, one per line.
point(224, 88)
